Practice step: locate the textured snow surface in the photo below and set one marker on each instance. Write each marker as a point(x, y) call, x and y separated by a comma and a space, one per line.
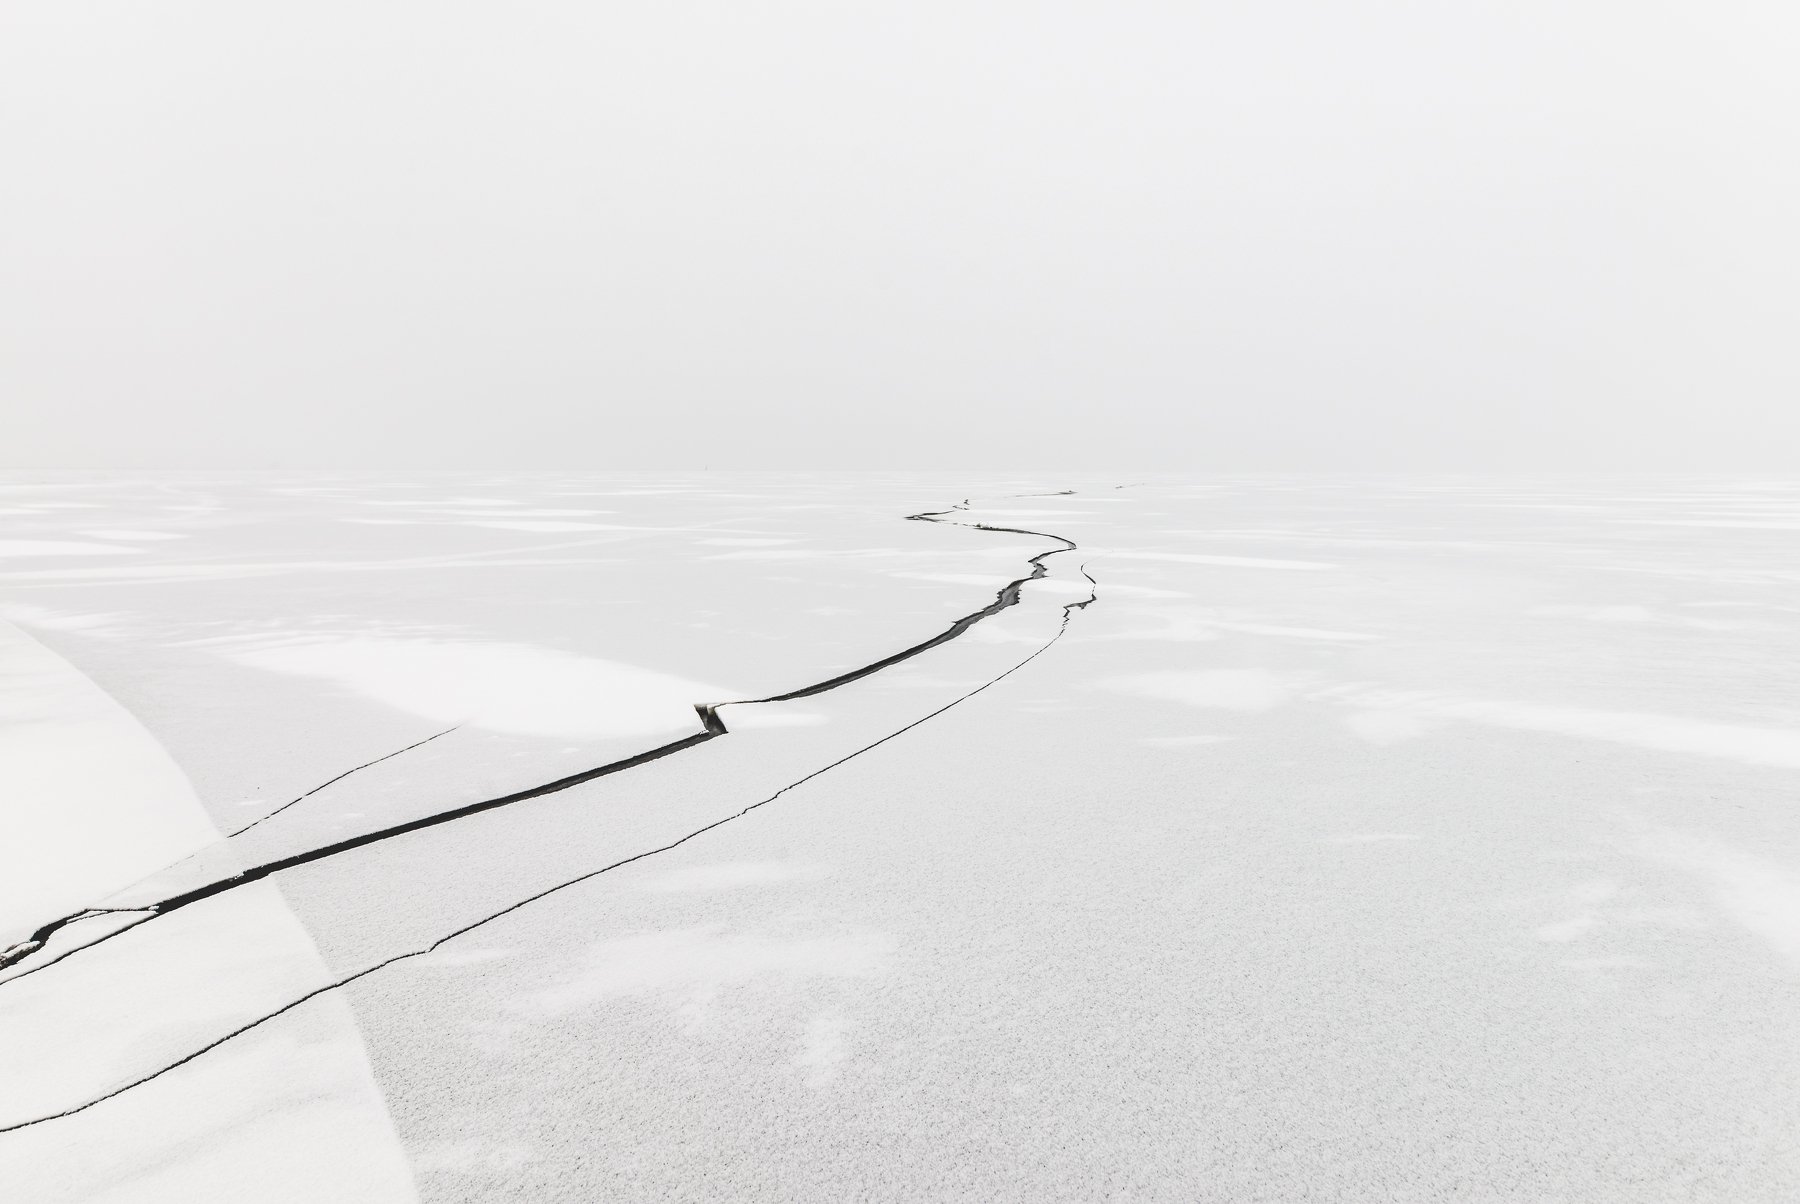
point(92, 803)
point(1365, 839)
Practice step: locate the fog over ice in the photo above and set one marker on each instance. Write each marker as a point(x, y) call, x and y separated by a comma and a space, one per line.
point(1287, 235)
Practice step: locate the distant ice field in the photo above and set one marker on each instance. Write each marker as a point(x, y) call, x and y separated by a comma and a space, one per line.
point(802, 838)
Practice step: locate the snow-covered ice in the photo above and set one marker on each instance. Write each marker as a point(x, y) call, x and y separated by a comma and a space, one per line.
point(1363, 839)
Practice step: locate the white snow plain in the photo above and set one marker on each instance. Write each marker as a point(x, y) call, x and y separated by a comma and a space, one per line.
point(1364, 839)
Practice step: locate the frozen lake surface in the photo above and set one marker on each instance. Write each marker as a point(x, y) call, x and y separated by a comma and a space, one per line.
point(1359, 839)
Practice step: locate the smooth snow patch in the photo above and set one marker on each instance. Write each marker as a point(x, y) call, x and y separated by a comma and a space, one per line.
point(50, 620)
point(621, 492)
point(290, 1113)
point(1757, 525)
point(1297, 633)
point(1632, 614)
point(1184, 741)
point(548, 524)
point(1056, 585)
point(502, 687)
point(133, 536)
point(985, 512)
point(1177, 628)
point(518, 514)
point(742, 543)
point(91, 800)
point(59, 547)
point(1372, 838)
point(1228, 689)
point(993, 581)
point(1229, 562)
point(1117, 590)
point(770, 715)
point(1004, 630)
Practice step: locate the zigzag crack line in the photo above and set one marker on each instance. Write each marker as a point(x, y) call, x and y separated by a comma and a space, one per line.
point(711, 728)
point(1068, 609)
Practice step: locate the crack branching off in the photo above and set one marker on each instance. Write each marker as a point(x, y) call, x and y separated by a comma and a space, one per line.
point(340, 777)
point(711, 727)
point(1068, 610)
point(144, 914)
point(40, 935)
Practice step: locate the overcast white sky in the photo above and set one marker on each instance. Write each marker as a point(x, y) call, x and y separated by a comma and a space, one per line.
point(645, 233)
